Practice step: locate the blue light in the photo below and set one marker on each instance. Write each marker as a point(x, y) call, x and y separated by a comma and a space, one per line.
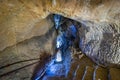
point(73, 30)
point(59, 41)
point(56, 69)
point(57, 19)
point(59, 56)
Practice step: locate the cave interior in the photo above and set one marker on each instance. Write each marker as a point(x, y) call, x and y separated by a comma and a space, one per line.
point(51, 40)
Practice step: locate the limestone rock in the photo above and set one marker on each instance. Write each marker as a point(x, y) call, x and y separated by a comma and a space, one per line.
point(18, 18)
point(101, 42)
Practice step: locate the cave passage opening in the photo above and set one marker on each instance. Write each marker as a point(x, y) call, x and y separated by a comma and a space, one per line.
point(66, 39)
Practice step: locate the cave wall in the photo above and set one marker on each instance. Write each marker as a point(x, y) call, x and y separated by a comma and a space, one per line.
point(24, 19)
point(17, 23)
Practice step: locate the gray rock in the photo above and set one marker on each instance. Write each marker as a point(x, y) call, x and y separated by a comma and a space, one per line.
point(101, 42)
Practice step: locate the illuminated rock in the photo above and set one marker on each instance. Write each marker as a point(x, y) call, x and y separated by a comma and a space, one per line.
point(18, 18)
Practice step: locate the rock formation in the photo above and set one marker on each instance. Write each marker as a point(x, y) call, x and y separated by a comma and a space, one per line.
point(24, 19)
point(101, 42)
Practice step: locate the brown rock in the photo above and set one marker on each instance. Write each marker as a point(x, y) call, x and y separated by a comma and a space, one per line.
point(19, 18)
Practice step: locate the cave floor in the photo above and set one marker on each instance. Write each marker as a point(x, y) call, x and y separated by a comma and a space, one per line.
point(16, 66)
point(21, 67)
point(77, 68)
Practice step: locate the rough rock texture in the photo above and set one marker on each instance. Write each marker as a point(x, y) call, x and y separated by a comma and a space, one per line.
point(18, 23)
point(24, 19)
point(19, 17)
point(19, 61)
point(101, 42)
